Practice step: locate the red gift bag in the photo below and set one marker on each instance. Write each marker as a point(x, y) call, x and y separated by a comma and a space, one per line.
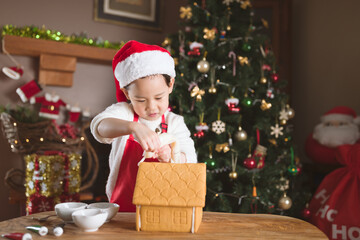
point(335, 206)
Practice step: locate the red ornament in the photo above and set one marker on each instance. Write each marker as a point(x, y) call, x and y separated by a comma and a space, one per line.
point(232, 108)
point(232, 104)
point(199, 134)
point(194, 52)
point(274, 77)
point(306, 213)
point(249, 163)
point(266, 67)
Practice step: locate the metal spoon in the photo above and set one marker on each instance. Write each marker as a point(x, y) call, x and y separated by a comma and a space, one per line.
point(43, 219)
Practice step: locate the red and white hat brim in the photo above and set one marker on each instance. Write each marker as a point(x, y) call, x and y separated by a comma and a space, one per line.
point(11, 73)
point(143, 64)
point(337, 117)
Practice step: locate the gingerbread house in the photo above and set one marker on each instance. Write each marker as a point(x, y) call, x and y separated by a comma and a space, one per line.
point(170, 196)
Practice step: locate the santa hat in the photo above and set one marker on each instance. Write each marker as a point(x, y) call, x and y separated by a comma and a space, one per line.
point(13, 72)
point(340, 113)
point(137, 60)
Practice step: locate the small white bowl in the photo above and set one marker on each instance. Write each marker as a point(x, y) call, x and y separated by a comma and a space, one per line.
point(64, 210)
point(89, 219)
point(111, 208)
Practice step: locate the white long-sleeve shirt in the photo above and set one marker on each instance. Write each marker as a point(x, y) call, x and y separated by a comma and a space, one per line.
point(124, 111)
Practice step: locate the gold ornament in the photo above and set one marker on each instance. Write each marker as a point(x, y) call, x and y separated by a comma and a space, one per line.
point(273, 142)
point(166, 42)
point(283, 121)
point(240, 135)
point(222, 147)
point(212, 89)
point(265, 105)
point(285, 202)
point(265, 23)
point(209, 33)
point(233, 175)
point(176, 61)
point(243, 60)
point(245, 4)
point(185, 12)
point(198, 93)
point(228, 28)
point(203, 66)
point(263, 80)
point(290, 111)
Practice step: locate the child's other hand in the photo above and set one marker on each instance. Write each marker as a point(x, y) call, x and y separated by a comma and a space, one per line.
point(164, 154)
point(147, 138)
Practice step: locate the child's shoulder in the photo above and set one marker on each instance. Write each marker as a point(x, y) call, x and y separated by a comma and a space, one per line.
point(120, 106)
point(173, 117)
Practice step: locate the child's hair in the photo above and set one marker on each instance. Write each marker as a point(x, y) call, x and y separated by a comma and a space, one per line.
point(166, 77)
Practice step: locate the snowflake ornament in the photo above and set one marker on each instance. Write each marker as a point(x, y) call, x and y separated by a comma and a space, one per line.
point(283, 185)
point(73, 164)
point(44, 187)
point(31, 185)
point(283, 115)
point(42, 167)
point(227, 2)
point(30, 166)
point(276, 130)
point(44, 206)
point(218, 127)
point(56, 166)
point(73, 182)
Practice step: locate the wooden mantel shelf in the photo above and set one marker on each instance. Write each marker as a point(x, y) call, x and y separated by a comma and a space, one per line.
point(57, 59)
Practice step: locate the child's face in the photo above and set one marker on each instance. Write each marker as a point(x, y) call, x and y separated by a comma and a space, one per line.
point(149, 96)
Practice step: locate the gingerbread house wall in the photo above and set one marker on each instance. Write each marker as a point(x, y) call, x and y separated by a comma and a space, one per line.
point(167, 219)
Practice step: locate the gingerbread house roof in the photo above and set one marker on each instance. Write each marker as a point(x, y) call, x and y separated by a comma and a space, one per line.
point(171, 184)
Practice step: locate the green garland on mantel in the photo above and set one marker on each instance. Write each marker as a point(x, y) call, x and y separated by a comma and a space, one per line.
point(54, 35)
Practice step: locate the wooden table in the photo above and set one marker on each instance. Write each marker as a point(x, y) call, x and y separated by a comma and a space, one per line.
point(214, 226)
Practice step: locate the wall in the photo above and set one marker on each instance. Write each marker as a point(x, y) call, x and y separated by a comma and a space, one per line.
point(92, 82)
point(326, 57)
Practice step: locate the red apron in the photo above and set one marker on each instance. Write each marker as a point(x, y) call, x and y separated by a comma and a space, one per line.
point(125, 183)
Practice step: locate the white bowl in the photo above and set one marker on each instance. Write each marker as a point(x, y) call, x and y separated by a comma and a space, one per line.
point(64, 210)
point(89, 219)
point(111, 208)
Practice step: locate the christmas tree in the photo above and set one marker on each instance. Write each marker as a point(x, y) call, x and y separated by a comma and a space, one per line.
point(232, 98)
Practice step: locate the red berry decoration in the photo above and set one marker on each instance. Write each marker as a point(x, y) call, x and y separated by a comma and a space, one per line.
point(306, 213)
point(274, 77)
point(249, 163)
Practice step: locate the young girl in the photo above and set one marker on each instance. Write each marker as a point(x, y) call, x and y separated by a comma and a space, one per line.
point(144, 76)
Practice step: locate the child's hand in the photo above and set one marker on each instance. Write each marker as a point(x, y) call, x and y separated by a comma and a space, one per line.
point(164, 153)
point(147, 138)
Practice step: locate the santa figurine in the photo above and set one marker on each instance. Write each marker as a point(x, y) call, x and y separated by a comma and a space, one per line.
point(339, 126)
